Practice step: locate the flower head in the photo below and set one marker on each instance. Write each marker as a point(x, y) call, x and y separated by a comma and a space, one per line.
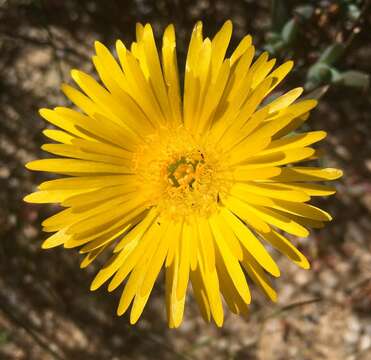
point(191, 183)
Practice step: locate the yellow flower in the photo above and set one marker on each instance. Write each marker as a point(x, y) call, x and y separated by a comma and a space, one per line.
point(191, 184)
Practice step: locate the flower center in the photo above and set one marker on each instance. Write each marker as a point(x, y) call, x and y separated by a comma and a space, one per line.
point(178, 174)
point(184, 172)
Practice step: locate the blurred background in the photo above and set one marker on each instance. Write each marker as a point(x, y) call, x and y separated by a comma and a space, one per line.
point(46, 308)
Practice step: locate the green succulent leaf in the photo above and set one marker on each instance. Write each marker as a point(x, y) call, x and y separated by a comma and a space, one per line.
point(332, 53)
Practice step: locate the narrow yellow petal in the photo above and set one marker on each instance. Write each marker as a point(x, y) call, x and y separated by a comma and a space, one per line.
point(274, 191)
point(231, 262)
point(235, 302)
point(111, 132)
point(239, 191)
point(66, 166)
point(241, 174)
point(280, 73)
point(64, 123)
point(51, 196)
point(156, 262)
point(56, 239)
point(219, 46)
point(285, 157)
point(91, 256)
point(130, 289)
point(285, 100)
point(243, 211)
point(300, 209)
point(154, 68)
point(311, 189)
point(206, 244)
point(248, 148)
point(244, 44)
point(184, 262)
point(200, 294)
point(190, 85)
point(138, 250)
point(211, 284)
point(137, 233)
point(284, 246)
point(279, 220)
point(138, 307)
point(297, 173)
point(174, 305)
point(105, 240)
point(101, 221)
point(250, 242)
point(170, 68)
point(226, 234)
point(295, 141)
point(213, 97)
point(176, 233)
point(71, 151)
point(86, 182)
point(59, 136)
point(80, 100)
point(261, 72)
point(89, 198)
point(256, 273)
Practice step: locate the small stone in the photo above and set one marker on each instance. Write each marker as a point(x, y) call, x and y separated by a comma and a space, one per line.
point(365, 342)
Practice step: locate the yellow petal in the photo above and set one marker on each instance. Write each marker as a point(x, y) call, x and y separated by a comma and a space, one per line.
point(211, 284)
point(243, 211)
point(62, 122)
point(283, 245)
point(56, 239)
point(100, 195)
point(200, 294)
point(295, 141)
point(86, 182)
point(219, 45)
point(174, 305)
point(242, 174)
point(51, 196)
point(280, 73)
point(250, 242)
point(231, 262)
point(80, 100)
point(285, 100)
point(138, 250)
point(66, 166)
point(59, 136)
point(244, 44)
point(71, 151)
point(288, 157)
point(156, 262)
point(303, 210)
point(279, 220)
point(139, 87)
point(184, 262)
point(307, 174)
point(206, 243)
point(170, 68)
point(91, 256)
point(226, 234)
point(131, 287)
point(235, 302)
point(311, 189)
point(274, 191)
point(256, 273)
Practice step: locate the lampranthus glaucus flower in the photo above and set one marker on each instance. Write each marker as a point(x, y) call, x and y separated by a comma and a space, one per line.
point(193, 183)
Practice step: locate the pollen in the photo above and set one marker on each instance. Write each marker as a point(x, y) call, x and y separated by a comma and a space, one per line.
point(179, 173)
